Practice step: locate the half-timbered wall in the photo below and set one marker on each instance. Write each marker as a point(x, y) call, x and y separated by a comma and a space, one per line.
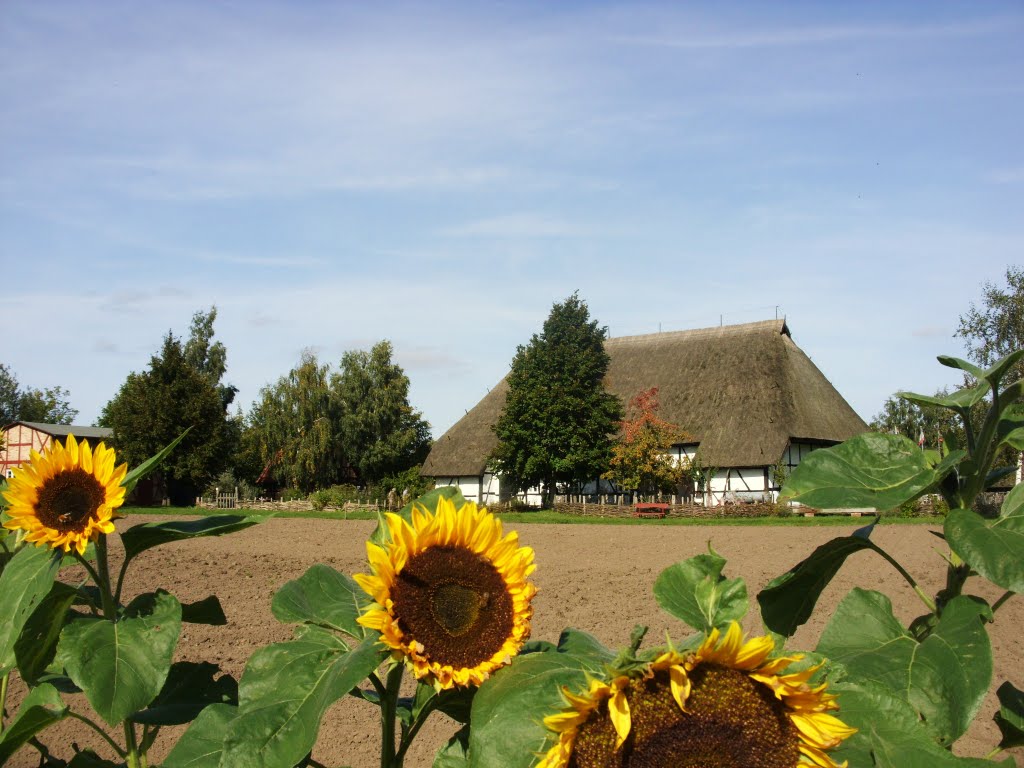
point(19, 441)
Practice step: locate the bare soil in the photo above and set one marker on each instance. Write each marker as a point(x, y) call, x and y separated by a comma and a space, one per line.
point(594, 577)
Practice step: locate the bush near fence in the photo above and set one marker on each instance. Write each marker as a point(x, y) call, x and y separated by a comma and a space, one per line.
point(756, 509)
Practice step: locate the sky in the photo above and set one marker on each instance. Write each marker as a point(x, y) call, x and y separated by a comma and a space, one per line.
point(330, 174)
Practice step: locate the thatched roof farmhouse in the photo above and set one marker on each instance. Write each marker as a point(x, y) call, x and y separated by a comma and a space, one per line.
point(749, 396)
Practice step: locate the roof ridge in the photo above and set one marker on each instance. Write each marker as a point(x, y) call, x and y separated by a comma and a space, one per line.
point(775, 326)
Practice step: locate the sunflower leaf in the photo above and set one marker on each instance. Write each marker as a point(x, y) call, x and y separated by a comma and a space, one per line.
point(509, 708)
point(190, 687)
point(944, 678)
point(870, 470)
point(992, 547)
point(139, 538)
point(41, 708)
point(889, 733)
point(788, 600)
point(37, 643)
point(284, 692)
point(696, 592)
point(122, 665)
point(1010, 717)
point(202, 744)
point(324, 597)
point(24, 584)
point(454, 754)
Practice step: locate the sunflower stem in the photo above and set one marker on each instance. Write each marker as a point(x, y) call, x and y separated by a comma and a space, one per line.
point(3, 699)
point(388, 708)
point(132, 757)
point(910, 579)
point(113, 744)
point(103, 578)
point(407, 738)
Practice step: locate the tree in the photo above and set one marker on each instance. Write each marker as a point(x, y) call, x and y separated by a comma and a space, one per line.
point(10, 396)
point(294, 429)
point(902, 417)
point(640, 457)
point(49, 406)
point(558, 419)
point(996, 328)
point(210, 359)
point(153, 407)
point(381, 433)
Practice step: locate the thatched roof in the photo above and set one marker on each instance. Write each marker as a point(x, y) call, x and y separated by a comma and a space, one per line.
point(743, 391)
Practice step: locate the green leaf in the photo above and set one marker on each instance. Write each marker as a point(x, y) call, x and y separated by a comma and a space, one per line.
point(586, 648)
point(122, 665)
point(509, 709)
point(284, 692)
point(788, 600)
point(889, 734)
point(189, 689)
point(139, 472)
point(944, 678)
point(324, 597)
point(24, 584)
point(997, 371)
point(960, 400)
point(695, 591)
point(992, 547)
point(139, 538)
point(454, 754)
point(40, 709)
point(1010, 428)
point(1010, 717)
point(962, 365)
point(202, 744)
point(37, 644)
point(206, 611)
point(870, 470)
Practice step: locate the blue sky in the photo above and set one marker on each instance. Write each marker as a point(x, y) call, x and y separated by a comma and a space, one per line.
point(331, 174)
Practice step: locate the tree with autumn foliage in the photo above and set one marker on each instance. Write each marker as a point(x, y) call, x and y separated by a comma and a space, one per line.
point(641, 461)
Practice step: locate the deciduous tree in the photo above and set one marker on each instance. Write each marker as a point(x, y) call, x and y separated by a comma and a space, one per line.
point(381, 432)
point(49, 406)
point(995, 328)
point(558, 420)
point(293, 429)
point(641, 460)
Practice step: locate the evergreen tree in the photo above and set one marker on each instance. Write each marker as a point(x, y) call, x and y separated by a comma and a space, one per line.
point(382, 435)
point(558, 419)
point(209, 357)
point(153, 407)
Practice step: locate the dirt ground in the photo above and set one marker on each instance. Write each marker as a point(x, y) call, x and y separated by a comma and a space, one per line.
point(594, 577)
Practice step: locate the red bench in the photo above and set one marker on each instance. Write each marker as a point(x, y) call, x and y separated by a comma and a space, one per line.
point(650, 509)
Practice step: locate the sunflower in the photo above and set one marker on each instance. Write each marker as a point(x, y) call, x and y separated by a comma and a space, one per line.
point(66, 496)
point(450, 593)
point(726, 705)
